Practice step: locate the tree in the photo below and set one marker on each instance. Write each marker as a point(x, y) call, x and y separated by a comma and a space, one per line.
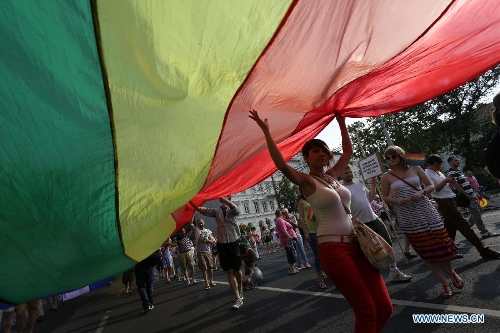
point(449, 123)
point(288, 192)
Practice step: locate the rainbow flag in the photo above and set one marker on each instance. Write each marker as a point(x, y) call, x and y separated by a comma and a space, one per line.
point(116, 115)
point(415, 159)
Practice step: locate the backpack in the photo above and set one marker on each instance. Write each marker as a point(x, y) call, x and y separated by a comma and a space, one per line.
point(493, 154)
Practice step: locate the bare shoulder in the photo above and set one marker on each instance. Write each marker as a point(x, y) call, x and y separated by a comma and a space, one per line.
point(307, 186)
point(416, 169)
point(384, 176)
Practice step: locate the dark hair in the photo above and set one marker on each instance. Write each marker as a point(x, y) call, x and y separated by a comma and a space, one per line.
point(433, 159)
point(277, 213)
point(495, 116)
point(496, 113)
point(450, 158)
point(313, 144)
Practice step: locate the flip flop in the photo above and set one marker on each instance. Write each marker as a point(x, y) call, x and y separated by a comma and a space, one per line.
point(212, 284)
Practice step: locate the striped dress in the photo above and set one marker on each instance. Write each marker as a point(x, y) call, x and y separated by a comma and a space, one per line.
point(422, 224)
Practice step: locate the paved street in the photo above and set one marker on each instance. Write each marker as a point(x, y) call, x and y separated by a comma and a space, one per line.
point(286, 303)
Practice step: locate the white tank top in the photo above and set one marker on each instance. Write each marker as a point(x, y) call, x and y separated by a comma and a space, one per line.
point(329, 211)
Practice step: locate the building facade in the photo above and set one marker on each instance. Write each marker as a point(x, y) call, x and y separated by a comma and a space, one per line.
point(258, 203)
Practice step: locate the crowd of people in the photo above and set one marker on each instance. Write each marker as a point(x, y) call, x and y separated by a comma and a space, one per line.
point(429, 226)
point(424, 203)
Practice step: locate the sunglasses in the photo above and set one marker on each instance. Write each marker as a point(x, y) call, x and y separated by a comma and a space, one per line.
point(391, 157)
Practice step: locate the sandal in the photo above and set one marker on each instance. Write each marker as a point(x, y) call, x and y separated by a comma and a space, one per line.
point(456, 280)
point(212, 284)
point(322, 285)
point(447, 293)
point(207, 288)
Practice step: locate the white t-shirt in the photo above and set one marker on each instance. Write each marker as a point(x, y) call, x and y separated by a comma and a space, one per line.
point(437, 177)
point(202, 243)
point(360, 206)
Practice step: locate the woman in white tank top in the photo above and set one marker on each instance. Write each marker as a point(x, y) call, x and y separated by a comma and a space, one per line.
point(339, 253)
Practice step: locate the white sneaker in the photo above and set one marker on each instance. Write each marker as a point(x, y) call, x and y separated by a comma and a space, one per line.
point(151, 307)
point(397, 276)
point(489, 234)
point(238, 303)
point(195, 281)
point(292, 271)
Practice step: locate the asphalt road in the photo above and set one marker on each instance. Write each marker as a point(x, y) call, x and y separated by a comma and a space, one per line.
point(285, 303)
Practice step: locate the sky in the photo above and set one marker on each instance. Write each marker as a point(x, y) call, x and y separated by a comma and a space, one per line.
point(331, 133)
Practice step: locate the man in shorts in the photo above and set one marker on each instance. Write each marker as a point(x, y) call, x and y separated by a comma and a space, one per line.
point(204, 240)
point(228, 241)
point(186, 255)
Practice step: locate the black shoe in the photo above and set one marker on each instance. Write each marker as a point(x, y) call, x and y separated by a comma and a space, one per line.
point(459, 256)
point(488, 253)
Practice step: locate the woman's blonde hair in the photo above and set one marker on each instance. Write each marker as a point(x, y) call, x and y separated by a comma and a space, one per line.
point(398, 151)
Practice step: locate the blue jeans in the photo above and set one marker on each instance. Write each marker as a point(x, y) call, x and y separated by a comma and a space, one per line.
point(475, 216)
point(301, 253)
point(314, 247)
point(144, 282)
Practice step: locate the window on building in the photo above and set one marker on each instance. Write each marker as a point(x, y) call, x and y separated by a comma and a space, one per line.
point(256, 206)
point(246, 207)
point(271, 203)
point(260, 187)
point(254, 189)
point(264, 206)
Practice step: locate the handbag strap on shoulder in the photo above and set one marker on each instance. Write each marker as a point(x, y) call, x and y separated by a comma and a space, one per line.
point(321, 180)
point(404, 181)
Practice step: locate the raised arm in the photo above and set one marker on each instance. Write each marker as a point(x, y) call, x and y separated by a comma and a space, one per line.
point(227, 202)
point(373, 189)
point(296, 177)
point(343, 161)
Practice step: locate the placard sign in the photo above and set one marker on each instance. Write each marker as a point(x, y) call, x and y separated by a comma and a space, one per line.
point(371, 166)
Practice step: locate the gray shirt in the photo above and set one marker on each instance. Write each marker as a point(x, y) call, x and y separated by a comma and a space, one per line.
point(227, 229)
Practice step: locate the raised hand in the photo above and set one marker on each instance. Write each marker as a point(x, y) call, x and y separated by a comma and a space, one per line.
point(254, 115)
point(340, 119)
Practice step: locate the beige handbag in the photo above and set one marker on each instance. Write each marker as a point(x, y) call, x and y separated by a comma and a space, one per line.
point(378, 252)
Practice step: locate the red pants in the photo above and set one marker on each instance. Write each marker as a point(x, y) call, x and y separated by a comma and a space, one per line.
point(361, 284)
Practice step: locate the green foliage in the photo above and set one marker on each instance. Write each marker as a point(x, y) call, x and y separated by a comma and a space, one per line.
point(450, 123)
point(287, 194)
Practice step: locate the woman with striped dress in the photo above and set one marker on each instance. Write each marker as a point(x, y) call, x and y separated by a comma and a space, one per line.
point(418, 218)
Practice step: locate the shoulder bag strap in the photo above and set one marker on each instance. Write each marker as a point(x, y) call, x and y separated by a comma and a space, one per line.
point(404, 181)
point(348, 211)
point(428, 195)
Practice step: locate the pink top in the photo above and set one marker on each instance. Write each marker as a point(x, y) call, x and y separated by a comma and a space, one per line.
point(281, 227)
point(473, 182)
